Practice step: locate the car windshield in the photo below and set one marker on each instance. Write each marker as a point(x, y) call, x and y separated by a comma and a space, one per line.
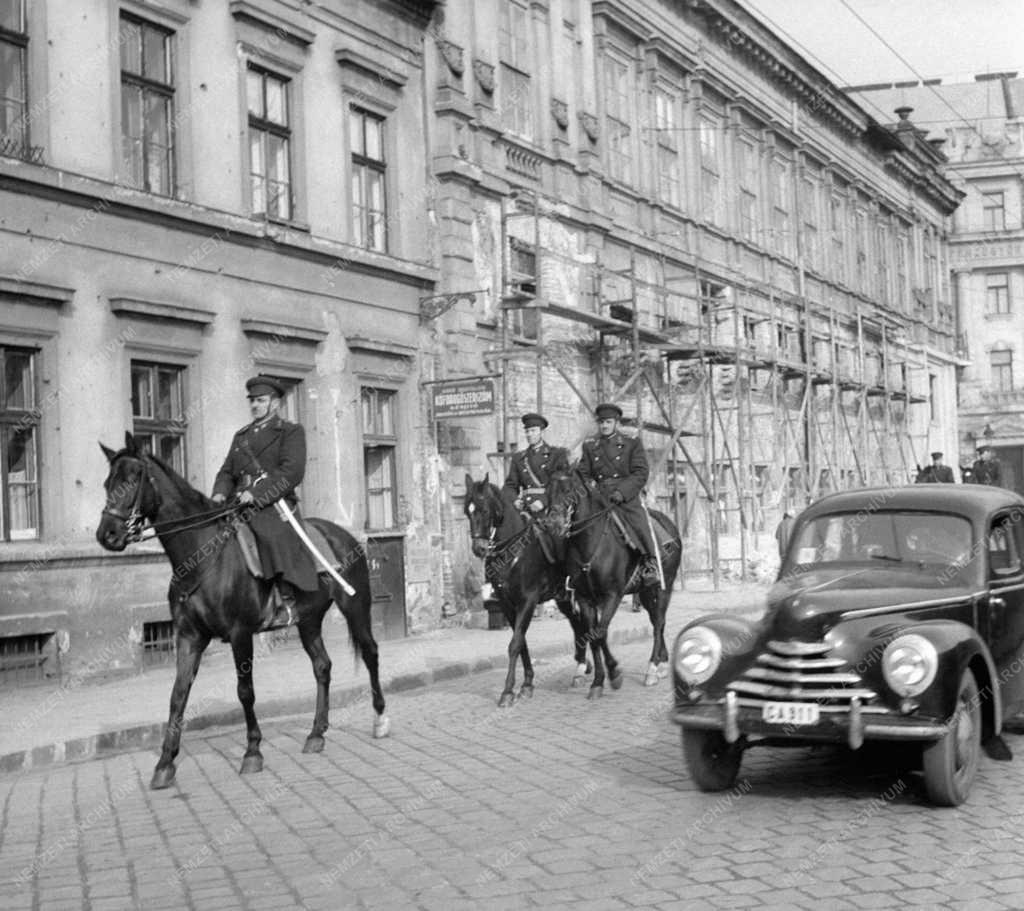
point(885, 538)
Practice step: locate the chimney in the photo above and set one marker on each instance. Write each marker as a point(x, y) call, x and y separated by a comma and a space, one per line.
point(904, 113)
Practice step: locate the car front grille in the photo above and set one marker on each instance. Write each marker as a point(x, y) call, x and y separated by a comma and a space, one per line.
point(801, 672)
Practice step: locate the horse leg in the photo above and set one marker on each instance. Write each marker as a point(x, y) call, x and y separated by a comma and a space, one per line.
point(590, 624)
point(190, 650)
point(516, 648)
point(313, 642)
point(579, 636)
point(611, 605)
point(241, 649)
point(654, 603)
point(357, 616)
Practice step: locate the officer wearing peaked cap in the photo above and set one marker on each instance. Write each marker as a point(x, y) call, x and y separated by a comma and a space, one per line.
point(936, 473)
point(532, 468)
point(265, 463)
point(617, 464)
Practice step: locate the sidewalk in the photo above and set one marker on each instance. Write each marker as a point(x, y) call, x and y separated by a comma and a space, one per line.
point(41, 725)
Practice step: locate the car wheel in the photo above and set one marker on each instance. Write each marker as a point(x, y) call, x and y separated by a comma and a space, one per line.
point(713, 762)
point(951, 763)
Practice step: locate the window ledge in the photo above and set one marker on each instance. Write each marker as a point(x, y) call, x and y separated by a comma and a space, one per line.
point(252, 11)
point(380, 346)
point(383, 65)
point(998, 317)
point(273, 329)
point(179, 313)
point(49, 294)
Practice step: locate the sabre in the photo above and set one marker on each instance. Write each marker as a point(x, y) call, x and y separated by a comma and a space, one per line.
point(657, 548)
point(285, 513)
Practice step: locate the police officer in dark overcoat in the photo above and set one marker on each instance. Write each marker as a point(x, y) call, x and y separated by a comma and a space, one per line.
point(265, 463)
point(532, 468)
point(617, 464)
point(936, 473)
point(987, 468)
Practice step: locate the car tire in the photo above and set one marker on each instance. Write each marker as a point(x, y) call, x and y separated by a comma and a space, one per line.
point(950, 764)
point(712, 761)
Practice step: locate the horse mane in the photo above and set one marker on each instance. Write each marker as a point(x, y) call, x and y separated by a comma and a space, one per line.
point(186, 491)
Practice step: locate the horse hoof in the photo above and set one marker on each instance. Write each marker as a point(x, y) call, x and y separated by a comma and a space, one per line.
point(313, 744)
point(596, 692)
point(578, 680)
point(162, 778)
point(506, 699)
point(251, 763)
point(651, 678)
point(526, 691)
point(381, 726)
point(616, 679)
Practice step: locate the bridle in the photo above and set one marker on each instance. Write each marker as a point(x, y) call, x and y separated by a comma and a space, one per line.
point(140, 527)
point(495, 516)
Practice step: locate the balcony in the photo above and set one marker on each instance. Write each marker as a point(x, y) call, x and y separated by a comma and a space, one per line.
point(12, 147)
point(522, 161)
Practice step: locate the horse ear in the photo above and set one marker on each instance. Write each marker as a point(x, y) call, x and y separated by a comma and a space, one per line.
point(486, 478)
point(109, 453)
point(469, 483)
point(129, 442)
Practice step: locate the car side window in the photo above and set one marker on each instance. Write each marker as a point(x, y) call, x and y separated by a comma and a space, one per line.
point(1004, 556)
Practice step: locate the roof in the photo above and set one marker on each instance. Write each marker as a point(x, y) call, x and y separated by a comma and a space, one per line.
point(936, 108)
point(974, 501)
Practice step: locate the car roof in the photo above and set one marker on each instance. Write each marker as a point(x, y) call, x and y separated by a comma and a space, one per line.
point(974, 501)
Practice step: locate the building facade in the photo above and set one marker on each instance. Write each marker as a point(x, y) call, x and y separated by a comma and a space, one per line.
point(703, 228)
point(980, 127)
point(191, 193)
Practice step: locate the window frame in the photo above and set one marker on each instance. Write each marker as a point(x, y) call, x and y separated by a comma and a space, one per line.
point(19, 40)
point(1000, 364)
point(710, 127)
point(155, 427)
point(665, 100)
point(375, 438)
point(15, 419)
point(267, 128)
point(149, 86)
point(517, 111)
point(619, 103)
point(989, 220)
point(997, 304)
point(363, 165)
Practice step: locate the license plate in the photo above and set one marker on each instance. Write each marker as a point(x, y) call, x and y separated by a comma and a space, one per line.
point(795, 713)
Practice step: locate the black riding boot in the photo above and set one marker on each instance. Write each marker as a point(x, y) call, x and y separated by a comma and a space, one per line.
point(649, 575)
point(285, 613)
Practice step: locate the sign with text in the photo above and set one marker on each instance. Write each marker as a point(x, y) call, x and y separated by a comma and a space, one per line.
point(463, 398)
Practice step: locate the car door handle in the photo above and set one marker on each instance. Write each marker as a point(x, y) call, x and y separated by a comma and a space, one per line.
point(996, 602)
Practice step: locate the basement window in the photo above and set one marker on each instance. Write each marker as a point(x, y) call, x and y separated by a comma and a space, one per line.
point(158, 643)
point(22, 658)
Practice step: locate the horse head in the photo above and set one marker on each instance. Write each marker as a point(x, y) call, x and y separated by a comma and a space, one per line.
point(132, 497)
point(485, 511)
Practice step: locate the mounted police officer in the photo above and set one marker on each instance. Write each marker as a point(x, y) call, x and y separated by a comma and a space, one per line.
point(532, 468)
point(617, 464)
point(987, 468)
point(266, 462)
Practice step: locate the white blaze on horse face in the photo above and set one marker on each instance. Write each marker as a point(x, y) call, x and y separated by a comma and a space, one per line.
point(471, 508)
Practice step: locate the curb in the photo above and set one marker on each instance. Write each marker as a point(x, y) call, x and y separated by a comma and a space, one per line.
point(149, 736)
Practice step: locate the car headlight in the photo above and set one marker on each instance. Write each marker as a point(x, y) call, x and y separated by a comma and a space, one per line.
point(698, 654)
point(909, 664)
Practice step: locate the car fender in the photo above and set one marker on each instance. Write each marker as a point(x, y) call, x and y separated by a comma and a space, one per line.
point(959, 647)
point(742, 641)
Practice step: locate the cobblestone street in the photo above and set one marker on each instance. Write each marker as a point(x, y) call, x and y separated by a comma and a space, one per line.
point(557, 803)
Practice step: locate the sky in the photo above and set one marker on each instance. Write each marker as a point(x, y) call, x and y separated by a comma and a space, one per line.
point(951, 39)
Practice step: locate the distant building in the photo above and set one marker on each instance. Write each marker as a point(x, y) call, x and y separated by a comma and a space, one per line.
point(980, 127)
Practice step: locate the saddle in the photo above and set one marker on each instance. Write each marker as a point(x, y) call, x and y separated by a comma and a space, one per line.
point(251, 553)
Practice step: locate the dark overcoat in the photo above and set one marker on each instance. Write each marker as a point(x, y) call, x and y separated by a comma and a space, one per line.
point(988, 472)
point(269, 460)
point(531, 469)
point(936, 474)
point(619, 463)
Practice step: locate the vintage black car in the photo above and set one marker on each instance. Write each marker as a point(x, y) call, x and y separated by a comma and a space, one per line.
point(897, 614)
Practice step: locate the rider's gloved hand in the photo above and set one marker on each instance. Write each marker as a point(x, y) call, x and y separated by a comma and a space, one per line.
point(536, 506)
point(245, 497)
point(518, 503)
point(218, 498)
point(616, 497)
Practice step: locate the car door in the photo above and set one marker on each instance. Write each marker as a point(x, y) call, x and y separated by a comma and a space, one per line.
point(1003, 621)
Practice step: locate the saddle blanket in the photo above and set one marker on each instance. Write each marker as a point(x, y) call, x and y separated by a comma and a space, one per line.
point(251, 553)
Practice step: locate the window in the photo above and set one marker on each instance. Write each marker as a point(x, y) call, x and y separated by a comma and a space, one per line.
point(14, 138)
point(710, 170)
point(269, 144)
point(780, 195)
point(811, 241)
point(516, 87)
point(523, 265)
point(749, 176)
point(19, 442)
point(902, 244)
point(369, 194)
point(837, 230)
point(1003, 551)
point(379, 445)
point(1001, 364)
point(997, 293)
point(993, 211)
point(157, 412)
point(618, 109)
point(666, 128)
point(147, 105)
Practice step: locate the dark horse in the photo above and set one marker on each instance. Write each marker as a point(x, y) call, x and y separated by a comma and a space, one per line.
point(213, 594)
point(521, 574)
point(602, 568)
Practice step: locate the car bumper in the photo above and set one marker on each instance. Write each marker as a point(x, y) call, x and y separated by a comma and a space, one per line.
point(852, 725)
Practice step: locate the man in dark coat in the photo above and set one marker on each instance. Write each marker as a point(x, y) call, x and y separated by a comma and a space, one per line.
point(986, 469)
point(532, 468)
point(936, 473)
point(617, 464)
point(265, 463)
